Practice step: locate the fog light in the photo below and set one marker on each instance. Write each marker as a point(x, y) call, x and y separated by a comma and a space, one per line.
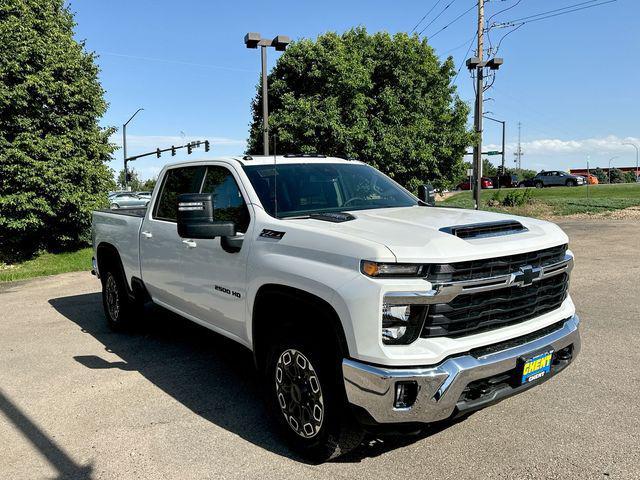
point(406, 394)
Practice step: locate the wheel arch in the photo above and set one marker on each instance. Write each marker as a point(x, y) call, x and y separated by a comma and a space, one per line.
point(323, 319)
point(107, 254)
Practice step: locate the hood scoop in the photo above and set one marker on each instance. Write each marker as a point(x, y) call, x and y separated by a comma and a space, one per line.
point(334, 217)
point(483, 230)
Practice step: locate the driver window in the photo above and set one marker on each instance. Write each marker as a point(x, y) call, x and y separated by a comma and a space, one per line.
point(228, 203)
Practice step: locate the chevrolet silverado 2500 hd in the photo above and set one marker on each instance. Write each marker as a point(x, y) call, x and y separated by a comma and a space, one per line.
point(362, 304)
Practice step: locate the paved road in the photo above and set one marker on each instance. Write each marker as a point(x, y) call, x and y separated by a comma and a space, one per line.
point(175, 401)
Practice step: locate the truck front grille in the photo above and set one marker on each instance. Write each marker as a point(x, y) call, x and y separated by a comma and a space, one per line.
point(481, 311)
point(477, 269)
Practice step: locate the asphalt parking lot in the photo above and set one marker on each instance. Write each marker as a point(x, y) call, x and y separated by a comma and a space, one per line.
point(176, 401)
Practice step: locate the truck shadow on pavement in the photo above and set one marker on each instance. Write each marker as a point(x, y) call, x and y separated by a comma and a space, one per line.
point(209, 374)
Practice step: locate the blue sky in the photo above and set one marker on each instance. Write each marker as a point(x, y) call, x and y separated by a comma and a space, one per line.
point(571, 80)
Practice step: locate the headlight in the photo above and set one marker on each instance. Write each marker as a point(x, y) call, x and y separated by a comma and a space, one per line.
point(401, 324)
point(375, 269)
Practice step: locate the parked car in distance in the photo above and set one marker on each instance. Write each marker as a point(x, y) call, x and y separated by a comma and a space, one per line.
point(128, 200)
point(557, 178)
point(526, 183)
point(466, 185)
point(505, 181)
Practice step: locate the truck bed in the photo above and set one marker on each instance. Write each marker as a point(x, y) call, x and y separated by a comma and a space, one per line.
point(130, 211)
point(121, 228)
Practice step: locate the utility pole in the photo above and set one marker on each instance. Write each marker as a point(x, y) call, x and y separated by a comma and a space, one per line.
point(280, 42)
point(477, 149)
point(124, 147)
point(478, 64)
point(518, 153)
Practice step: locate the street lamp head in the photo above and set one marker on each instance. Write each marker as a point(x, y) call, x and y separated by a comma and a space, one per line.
point(281, 42)
point(252, 39)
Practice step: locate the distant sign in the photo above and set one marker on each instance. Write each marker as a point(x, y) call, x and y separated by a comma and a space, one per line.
point(494, 152)
point(470, 172)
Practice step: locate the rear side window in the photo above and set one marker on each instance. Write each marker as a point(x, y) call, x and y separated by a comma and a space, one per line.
point(227, 199)
point(176, 182)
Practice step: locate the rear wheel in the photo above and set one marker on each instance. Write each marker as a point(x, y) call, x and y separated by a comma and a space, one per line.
point(118, 307)
point(306, 397)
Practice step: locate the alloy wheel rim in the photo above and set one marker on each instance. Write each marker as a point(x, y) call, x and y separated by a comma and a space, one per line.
point(113, 303)
point(299, 393)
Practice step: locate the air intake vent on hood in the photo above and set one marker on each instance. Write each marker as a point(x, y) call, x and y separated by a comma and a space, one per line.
point(480, 230)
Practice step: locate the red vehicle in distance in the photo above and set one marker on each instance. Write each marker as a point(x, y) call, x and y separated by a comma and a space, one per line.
point(466, 185)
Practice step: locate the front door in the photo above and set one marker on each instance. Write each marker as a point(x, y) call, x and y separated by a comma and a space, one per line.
point(215, 272)
point(161, 249)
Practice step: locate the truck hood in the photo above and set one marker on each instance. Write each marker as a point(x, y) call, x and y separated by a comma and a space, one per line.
point(415, 234)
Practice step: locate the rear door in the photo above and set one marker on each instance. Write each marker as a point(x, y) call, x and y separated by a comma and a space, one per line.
point(161, 248)
point(215, 272)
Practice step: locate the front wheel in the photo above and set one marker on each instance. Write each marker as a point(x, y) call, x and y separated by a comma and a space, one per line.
point(571, 183)
point(307, 400)
point(539, 184)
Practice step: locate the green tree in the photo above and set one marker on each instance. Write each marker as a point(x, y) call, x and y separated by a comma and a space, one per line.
point(134, 182)
point(53, 152)
point(488, 168)
point(149, 184)
point(629, 177)
point(522, 173)
point(600, 175)
point(617, 176)
point(386, 100)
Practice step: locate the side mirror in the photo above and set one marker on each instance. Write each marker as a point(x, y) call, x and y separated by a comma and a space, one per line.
point(195, 218)
point(427, 194)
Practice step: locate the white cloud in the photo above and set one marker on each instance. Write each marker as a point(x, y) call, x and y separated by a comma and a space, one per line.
point(550, 153)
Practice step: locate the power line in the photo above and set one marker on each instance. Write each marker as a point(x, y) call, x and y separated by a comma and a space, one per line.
point(425, 16)
point(436, 17)
point(454, 21)
point(502, 11)
point(465, 56)
point(544, 15)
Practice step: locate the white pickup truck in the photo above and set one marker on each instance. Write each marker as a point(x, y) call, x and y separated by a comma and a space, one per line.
point(364, 306)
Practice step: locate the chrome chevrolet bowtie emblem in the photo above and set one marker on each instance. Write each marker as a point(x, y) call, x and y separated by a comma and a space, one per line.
point(526, 276)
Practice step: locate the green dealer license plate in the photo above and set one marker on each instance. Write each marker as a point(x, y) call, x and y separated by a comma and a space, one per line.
point(537, 367)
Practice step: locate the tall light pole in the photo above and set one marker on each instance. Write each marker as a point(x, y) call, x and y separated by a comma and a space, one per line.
point(124, 146)
point(636, 147)
point(609, 170)
point(504, 128)
point(280, 42)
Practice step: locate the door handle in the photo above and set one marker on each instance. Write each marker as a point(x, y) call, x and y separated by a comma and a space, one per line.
point(190, 243)
point(147, 234)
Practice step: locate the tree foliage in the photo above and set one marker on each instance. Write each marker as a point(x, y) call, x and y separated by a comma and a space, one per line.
point(617, 176)
point(386, 100)
point(53, 153)
point(600, 175)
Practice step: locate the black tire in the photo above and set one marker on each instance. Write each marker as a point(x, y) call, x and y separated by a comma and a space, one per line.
point(521, 185)
point(316, 422)
point(538, 184)
point(571, 183)
point(118, 306)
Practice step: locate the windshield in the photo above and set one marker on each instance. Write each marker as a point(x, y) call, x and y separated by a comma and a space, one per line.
point(306, 188)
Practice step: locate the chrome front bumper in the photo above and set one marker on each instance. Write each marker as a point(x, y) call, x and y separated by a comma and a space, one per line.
point(440, 388)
